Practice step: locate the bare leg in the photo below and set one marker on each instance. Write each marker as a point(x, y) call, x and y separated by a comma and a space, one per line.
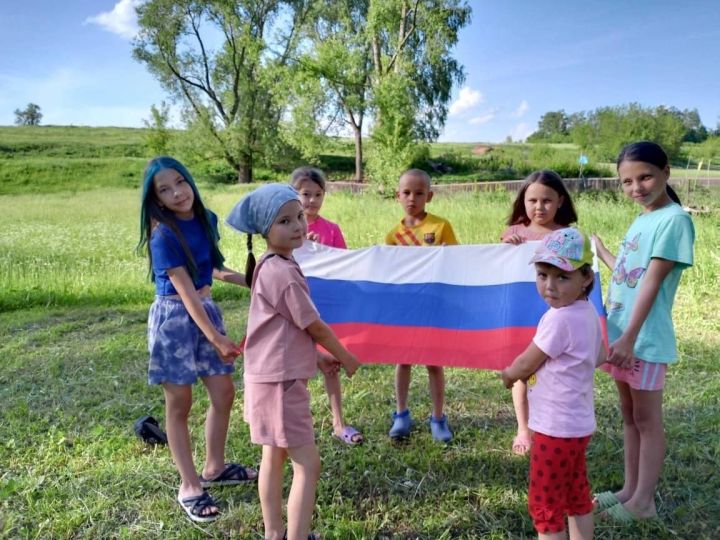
point(178, 402)
point(334, 392)
point(521, 444)
point(402, 386)
point(436, 382)
point(648, 419)
point(581, 527)
point(270, 484)
point(222, 393)
point(631, 438)
point(301, 502)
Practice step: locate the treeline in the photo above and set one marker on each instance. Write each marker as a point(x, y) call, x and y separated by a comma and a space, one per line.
point(602, 131)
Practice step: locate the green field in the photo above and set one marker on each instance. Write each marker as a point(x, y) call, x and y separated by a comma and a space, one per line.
point(73, 304)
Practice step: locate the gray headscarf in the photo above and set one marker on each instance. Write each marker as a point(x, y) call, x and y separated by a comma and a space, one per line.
point(255, 212)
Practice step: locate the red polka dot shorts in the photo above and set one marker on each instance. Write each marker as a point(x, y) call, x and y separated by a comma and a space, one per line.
point(558, 481)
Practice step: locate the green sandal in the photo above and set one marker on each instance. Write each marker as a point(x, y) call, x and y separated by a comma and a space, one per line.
point(605, 500)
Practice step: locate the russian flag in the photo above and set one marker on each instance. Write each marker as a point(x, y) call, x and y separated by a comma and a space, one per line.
point(458, 306)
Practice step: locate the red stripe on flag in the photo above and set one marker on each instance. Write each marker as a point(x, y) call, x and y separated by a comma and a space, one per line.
point(480, 349)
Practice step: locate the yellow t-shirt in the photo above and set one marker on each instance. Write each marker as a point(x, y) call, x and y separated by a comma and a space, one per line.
point(431, 231)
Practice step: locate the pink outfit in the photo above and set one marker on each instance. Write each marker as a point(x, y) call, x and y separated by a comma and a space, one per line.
point(277, 347)
point(560, 393)
point(329, 234)
point(278, 414)
point(523, 232)
point(279, 355)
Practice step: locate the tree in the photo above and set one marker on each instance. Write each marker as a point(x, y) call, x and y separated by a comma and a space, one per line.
point(227, 89)
point(389, 60)
point(157, 137)
point(412, 77)
point(338, 63)
point(30, 116)
point(610, 128)
point(553, 126)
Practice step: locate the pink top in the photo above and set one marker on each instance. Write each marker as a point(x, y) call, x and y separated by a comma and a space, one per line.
point(277, 347)
point(560, 393)
point(329, 233)
point(523, 232)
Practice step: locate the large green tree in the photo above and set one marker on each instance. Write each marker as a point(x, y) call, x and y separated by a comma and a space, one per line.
point(390, 60)
point(222, 59)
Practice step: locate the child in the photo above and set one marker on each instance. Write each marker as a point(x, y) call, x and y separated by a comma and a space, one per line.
point(309, 182)
point(657, 247)
point(186, 334)
point(542, 205)
point(310, 185)
point(280, 357)
point(419, 228)
point(558, 366)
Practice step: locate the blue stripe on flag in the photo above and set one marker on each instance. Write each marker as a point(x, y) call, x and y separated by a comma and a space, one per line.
point(437, 305)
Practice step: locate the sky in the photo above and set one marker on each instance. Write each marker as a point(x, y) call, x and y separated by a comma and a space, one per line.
point(522, 58)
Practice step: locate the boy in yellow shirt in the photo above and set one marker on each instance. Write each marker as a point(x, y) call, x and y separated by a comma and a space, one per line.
point(418, 228)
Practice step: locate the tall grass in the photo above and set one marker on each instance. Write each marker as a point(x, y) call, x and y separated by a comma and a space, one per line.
point(79, 248)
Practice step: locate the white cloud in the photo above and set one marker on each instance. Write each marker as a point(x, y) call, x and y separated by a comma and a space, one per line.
point(122, 20)
point(467, 99)
point(521, 132)
point(484, 118)
point(521, 109)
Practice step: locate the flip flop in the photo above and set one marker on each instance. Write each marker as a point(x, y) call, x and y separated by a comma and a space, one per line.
point(350, 436)
point(521, 445)
point(604, 500)
point(619, 514)
point(195, 506)
point(232, 475)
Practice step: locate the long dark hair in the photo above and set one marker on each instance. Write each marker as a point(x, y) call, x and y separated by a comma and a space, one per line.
point(152, 214)
point(648, 152)
point(565, 215)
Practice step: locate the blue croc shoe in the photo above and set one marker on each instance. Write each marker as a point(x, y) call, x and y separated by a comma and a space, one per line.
point(440, 429)
point(402, 422)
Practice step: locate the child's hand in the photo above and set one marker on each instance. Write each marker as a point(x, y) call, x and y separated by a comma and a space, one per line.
point(514, 239)
point(598, 242)
point(313, 237)
point(351, 364)
point(227, 349)
point(622, 352)
point(507, 381)
point(328, 364)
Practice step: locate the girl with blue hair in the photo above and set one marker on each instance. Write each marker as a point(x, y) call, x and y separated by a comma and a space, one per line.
point(186, 334)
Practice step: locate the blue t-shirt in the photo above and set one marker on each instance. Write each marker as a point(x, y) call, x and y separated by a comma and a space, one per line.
point(667, 233)
point(167, 252)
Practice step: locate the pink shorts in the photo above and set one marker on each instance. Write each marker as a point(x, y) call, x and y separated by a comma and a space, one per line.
point(641, 376)
point(279, 413)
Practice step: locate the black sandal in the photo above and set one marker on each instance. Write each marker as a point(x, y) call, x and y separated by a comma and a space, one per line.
point(195, 507)
point(232, 475)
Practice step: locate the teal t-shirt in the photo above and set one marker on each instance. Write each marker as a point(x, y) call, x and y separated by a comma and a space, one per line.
point(667, 233)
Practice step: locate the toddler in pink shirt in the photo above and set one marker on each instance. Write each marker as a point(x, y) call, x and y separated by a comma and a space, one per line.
point(558, 366)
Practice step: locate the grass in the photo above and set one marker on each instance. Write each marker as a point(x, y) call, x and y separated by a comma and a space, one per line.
point(73, 306)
